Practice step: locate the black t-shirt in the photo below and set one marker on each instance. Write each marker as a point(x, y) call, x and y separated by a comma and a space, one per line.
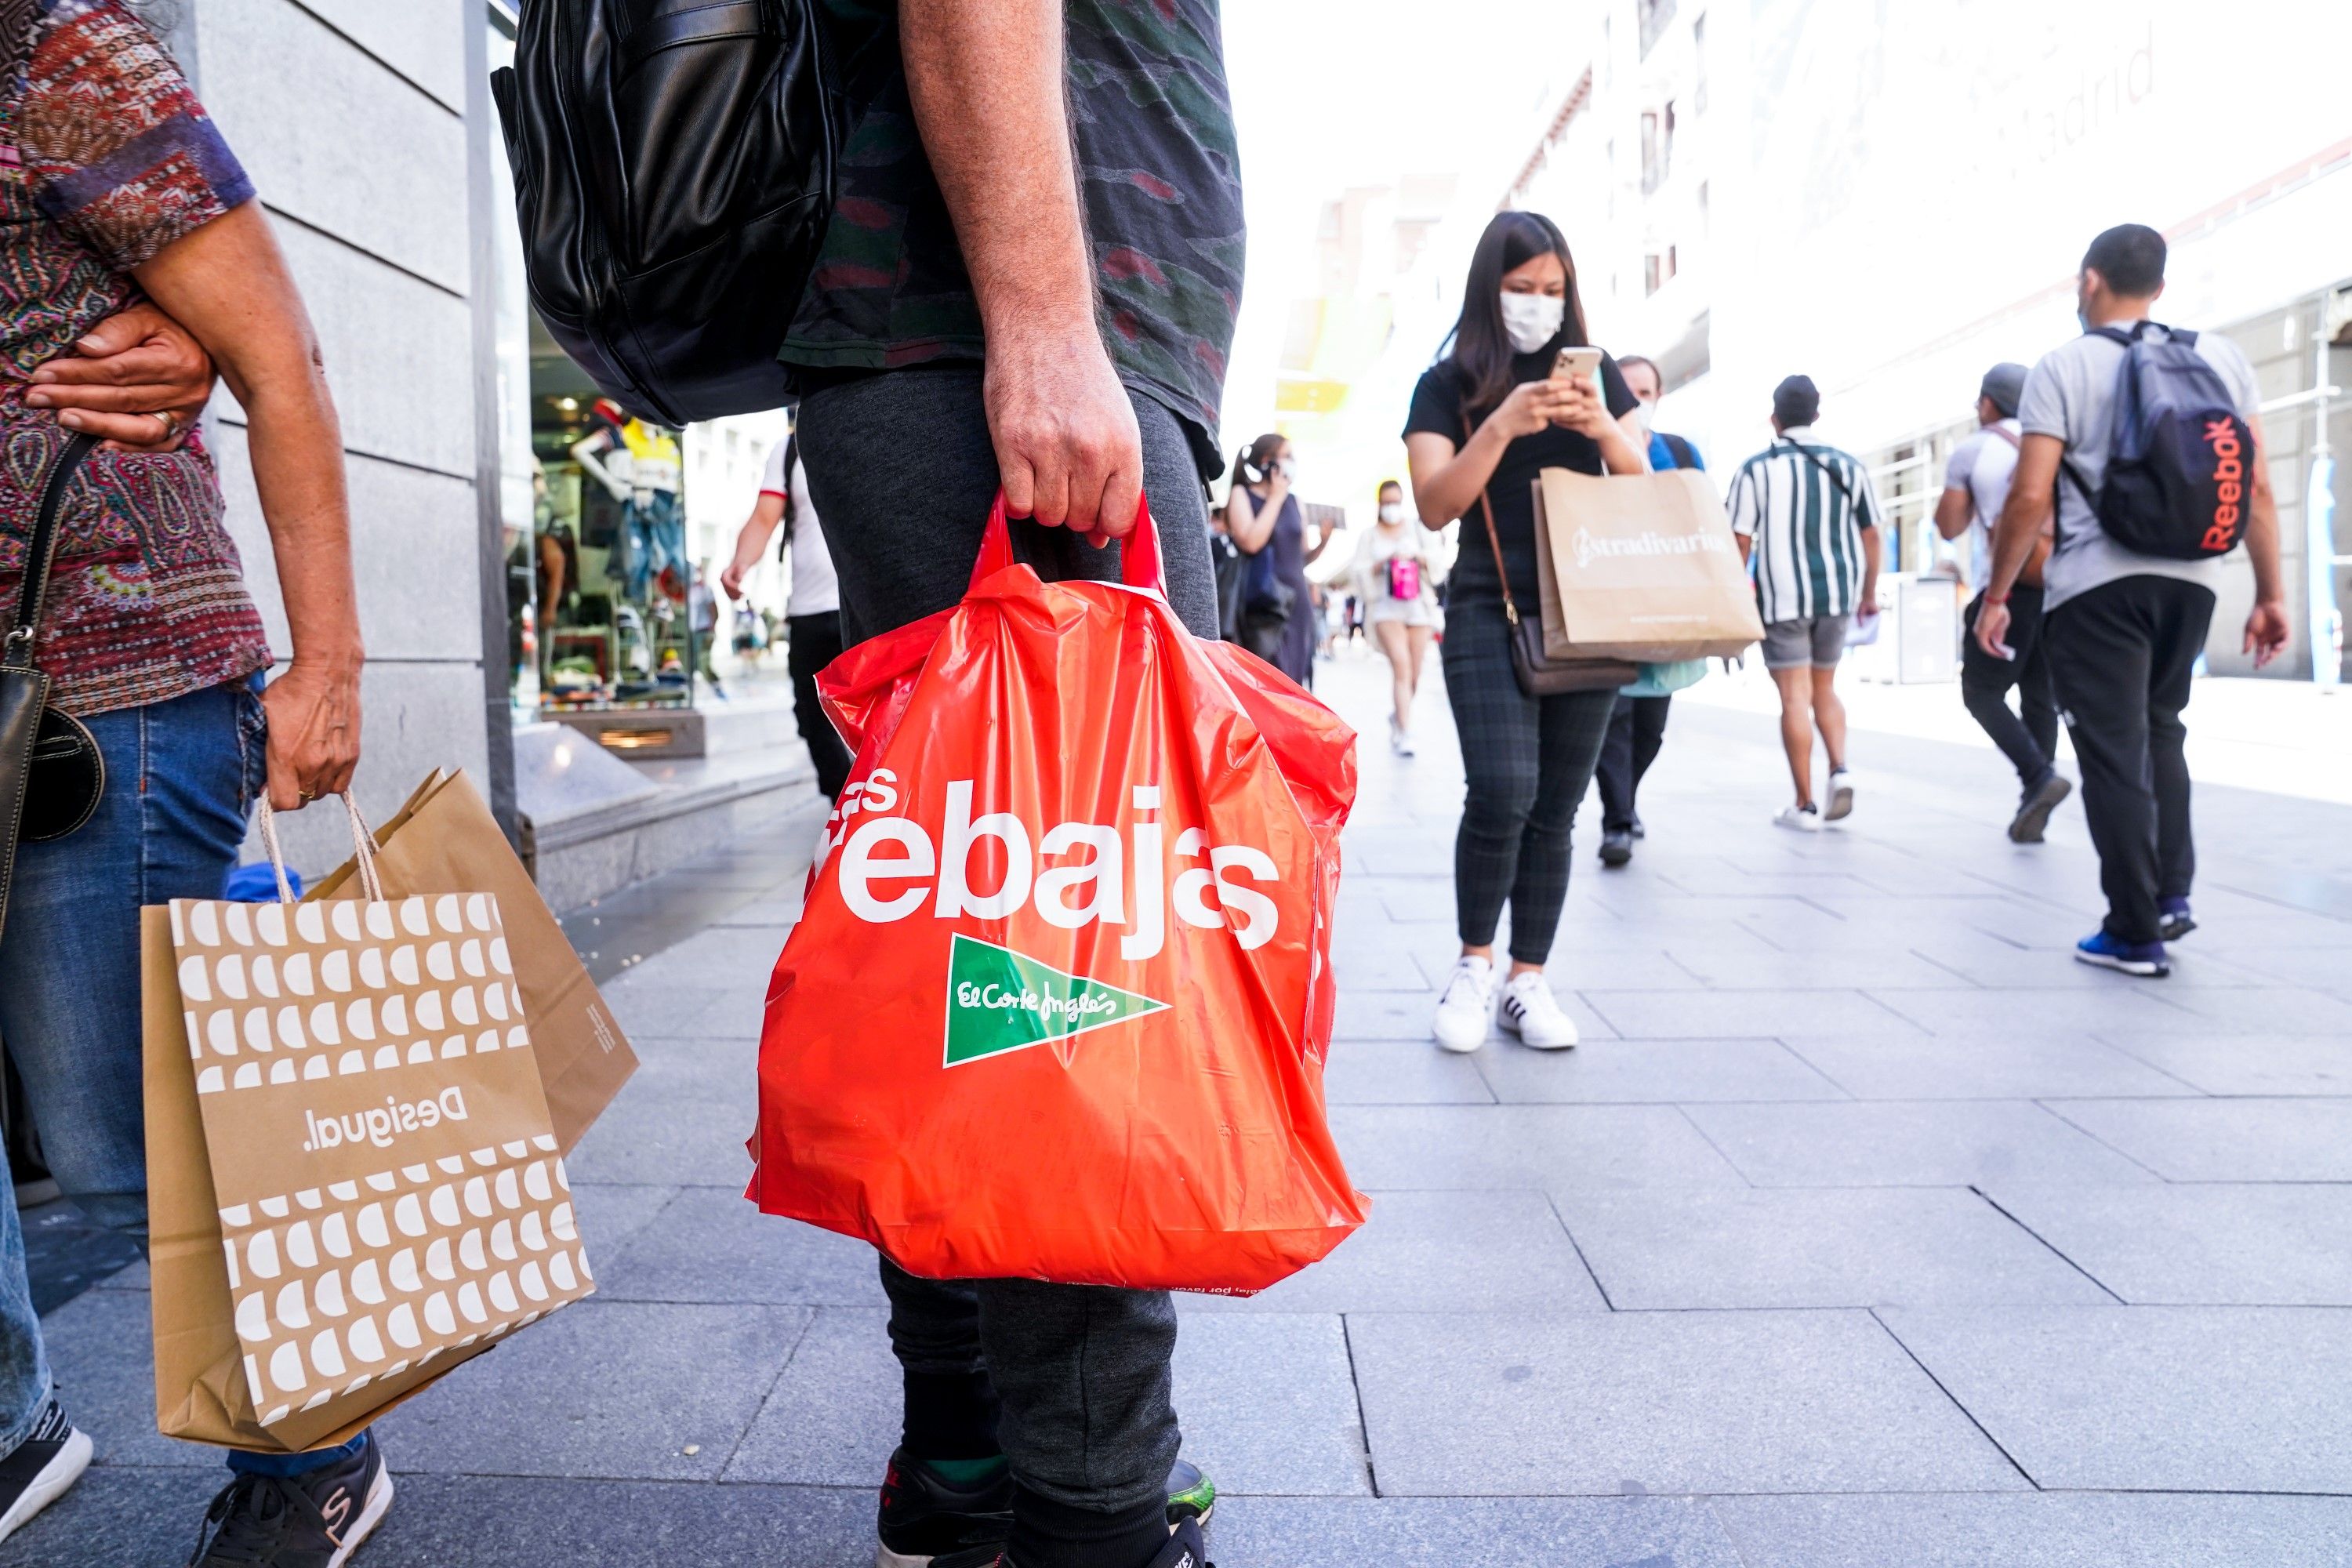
point(1437, 406)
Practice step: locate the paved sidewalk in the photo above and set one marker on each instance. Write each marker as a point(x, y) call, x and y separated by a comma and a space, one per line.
point(1864, 1229)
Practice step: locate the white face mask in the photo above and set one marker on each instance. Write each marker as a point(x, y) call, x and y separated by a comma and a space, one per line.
point(1532, 320)
point(1393, 511)
point(1641, 413)
point(1287, 467)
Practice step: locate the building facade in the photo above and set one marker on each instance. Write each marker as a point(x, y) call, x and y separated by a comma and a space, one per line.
point(1891, 198)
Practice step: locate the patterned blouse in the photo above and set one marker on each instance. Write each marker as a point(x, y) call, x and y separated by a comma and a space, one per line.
point(106, 157)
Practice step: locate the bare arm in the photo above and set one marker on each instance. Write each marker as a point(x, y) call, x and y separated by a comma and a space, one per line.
point(1954, 508)
point(986, 77)
point(2267, 625)
point(2032, 490)
point(1251, 520)
point(228, 285)
point(751, 542)
point(1872, 548)
point(1323, 536)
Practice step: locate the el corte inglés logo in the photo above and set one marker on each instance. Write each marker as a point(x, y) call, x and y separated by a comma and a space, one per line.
point(1000, 1000)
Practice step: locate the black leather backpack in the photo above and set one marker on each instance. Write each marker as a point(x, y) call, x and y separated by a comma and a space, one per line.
point(674, 167)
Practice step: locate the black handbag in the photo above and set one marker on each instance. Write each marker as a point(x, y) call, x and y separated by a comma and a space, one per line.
point(1539, 674)
point(674, 175)
point(51, 773)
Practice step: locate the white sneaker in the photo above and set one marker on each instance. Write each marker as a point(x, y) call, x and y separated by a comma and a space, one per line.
point(1803, 818)
point(1468, 1003)
point(1841, 795)
point(1400, 740)
point(1530, 1011)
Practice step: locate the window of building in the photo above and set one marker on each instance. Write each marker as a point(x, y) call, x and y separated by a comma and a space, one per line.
point(1702, 210)
point(1657, 146)
point(1655, 16)
point(1699, 65)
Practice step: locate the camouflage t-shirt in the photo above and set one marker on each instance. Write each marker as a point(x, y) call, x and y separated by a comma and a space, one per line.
point(1160, 182)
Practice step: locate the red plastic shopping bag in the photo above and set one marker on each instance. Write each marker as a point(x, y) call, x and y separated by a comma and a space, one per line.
point(1058, 1004)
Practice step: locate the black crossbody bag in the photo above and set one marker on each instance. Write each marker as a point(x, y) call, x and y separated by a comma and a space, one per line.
point(51, 774)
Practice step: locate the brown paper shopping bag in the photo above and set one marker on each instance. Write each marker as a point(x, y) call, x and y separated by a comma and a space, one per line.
point(356, 1182)
point(1643, 567)
point(444, 840)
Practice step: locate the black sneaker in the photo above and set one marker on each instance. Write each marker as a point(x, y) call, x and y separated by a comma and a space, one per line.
point(1616, 847)
point(928, 1523)
point(924, 1516)
point(43, 1469)
point(2034, 807)
point(1186, 1548)
point(1638, 830)
point(2177, 921)
point(312, 1521)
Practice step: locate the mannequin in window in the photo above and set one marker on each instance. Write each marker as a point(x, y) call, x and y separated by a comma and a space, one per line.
point(639, 466)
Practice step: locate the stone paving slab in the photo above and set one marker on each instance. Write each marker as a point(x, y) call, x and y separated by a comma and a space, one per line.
point(2275, 1009)
point(1733, 1014)
point(1910, 1144)
point(1503, 1405)
point(618, 1389)
point(2263, 1244)
point(2151, 1398)
point(1457, 1532)
point(2049, 1530)
point(2007, 1064)
point(1748, 970)
point(1437, 1252)
point(2298, 1065)
point(1542, 1146)
point(656, 1135)
point(2224, 1139)
point(1977, 1011)
point(102, 1354)
point(1600, 1072)
point(1813, 1248)
point(711, 1244)
point(1402, 1072)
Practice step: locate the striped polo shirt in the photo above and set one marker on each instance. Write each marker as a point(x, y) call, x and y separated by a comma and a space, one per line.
point(1805, 505)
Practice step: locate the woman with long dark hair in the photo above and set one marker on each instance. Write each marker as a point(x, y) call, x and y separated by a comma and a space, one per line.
point(1487, 417)
point(1279, 620)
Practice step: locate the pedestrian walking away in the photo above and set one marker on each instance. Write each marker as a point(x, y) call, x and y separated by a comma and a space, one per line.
point(1281, 622)
point(1976, 485)
point(1806, 521)
point(2149, 433)
point(1395, 577)
point(125, 190)
point(812, 603)
point(1486, 420)
point(1637, 725)
point(1038, 1430)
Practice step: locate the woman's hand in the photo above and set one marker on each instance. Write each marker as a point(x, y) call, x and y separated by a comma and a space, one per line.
point(1582, 410)
point(1532, 406)
point(314, 731)
point(138, 379)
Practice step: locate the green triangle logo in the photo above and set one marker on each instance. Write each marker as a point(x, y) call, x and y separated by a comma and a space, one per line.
point(1000, 1000)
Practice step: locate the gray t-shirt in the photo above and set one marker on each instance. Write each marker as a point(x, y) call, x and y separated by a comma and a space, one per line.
point(2071, 395)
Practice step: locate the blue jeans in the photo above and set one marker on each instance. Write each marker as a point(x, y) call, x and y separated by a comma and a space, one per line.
point(180, 778)
point(656, 538)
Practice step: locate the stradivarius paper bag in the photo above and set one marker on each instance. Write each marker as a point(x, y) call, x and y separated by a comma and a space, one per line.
point(356, 1181)
point(1643, 567)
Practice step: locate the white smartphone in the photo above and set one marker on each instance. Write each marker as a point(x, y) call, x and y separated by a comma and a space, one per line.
point(1572, 364)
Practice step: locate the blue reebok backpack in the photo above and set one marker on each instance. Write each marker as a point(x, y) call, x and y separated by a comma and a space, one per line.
point(2181, 472)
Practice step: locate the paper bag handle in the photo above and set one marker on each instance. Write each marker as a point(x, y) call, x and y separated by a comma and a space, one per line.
point(362, 851)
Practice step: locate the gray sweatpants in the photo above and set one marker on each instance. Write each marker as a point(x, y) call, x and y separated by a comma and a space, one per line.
point(902, 474)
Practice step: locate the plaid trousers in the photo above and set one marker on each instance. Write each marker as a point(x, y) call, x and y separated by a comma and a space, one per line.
point(1527, 762)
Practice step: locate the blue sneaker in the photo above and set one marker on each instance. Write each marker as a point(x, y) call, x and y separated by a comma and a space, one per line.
point(2145, 959)
point(2177, 921)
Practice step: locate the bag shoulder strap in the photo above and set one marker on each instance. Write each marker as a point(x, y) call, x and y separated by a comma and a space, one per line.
point(1486, 509)
point(1815, 459)
point(40, 553)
